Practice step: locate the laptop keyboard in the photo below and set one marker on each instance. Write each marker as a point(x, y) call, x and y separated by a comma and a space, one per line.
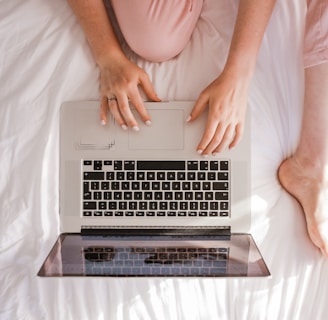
point(173, 261)
point(138, 188)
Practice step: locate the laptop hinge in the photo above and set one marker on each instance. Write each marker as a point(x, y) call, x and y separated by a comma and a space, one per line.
point(153, 231)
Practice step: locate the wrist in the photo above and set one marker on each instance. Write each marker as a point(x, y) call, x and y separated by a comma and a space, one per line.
point(109, 57)
point(242, 67)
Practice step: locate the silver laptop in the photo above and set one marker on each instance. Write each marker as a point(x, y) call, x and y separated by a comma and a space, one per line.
point(146, 204)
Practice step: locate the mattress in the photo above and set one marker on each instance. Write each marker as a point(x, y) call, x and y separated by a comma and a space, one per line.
point(45, 60)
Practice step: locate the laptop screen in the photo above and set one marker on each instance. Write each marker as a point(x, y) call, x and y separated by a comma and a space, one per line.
point(154, 256)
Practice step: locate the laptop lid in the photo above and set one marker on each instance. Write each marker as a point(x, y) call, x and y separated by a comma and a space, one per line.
point(147, 254)
point(168, 139)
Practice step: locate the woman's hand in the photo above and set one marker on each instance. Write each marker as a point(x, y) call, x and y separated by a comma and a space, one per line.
point(119, 84)
point(226, 98)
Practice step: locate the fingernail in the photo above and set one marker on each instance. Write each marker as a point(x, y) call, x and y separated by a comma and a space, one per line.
point(214, 154)
point(199, 151)
point(135, 128)
point(124, 127)
point(148, 123)
point(188, 119)
point(103, 122)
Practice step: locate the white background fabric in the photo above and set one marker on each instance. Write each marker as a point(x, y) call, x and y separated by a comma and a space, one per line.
point(45, 60)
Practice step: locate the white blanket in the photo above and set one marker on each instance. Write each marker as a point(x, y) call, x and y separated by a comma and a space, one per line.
point(45, 60)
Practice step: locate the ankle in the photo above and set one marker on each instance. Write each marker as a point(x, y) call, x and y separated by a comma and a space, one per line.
point(313, 166)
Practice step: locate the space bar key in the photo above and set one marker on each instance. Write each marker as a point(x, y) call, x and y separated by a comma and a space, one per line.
point(161, 165)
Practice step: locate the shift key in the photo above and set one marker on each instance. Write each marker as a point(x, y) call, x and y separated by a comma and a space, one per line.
point(90, 205)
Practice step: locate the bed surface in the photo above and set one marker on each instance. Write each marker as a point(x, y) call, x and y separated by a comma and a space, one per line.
point(45, 60)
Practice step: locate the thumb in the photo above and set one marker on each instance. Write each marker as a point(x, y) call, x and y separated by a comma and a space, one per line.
point(103, 110)
point(148, 88)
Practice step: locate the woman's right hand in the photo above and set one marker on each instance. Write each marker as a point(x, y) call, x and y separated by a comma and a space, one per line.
point(120, 80)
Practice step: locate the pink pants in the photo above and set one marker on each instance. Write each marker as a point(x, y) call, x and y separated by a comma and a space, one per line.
point(316, 33)
point(157, 30)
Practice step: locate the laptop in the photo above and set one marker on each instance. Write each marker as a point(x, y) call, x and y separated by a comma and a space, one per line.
point(145, 204)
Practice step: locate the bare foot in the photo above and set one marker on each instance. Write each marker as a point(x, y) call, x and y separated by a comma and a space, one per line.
point(312, 193)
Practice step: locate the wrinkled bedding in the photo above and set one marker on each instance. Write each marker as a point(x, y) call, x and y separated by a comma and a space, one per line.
point(45, 60)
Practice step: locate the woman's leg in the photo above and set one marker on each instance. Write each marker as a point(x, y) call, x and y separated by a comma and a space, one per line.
point(157, 30)
point(305, 174)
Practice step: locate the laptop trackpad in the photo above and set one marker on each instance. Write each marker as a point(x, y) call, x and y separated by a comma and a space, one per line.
point(165, 133)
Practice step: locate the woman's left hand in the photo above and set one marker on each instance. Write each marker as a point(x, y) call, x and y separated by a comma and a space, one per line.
point(226, 98)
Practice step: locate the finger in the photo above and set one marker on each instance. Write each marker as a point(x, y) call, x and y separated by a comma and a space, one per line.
point(215, 141)
point(198, 107)
point(238, 135)
point(138, 103)
point(148, 88)
point(219, 145)
point(212, 130)
point(125, 111)
point(103, 110)
point(113, 108)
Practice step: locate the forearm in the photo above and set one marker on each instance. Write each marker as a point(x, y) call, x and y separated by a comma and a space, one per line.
point(251, 22)
point(98, 30)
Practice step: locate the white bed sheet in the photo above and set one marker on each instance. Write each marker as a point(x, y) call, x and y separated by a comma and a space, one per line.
point(45, 60)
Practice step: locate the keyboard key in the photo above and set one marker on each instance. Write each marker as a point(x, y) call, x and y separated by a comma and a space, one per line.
point(211, 175)
point(118, 165)
point(115, 185)
point(151, 175)
point(105, 186)
point(160, 175)
point(97, 195)
point(223, 176)
point(127, 195)
point(221, 196)
point(93, 175)
point(110, 175)
point(122, 205)
point(130, 175)
point(145, 185)
point(181, 175)
point(97, 165)
point(120, 175)
point(224, 165)
point(129, 165)
point(87, 196)
point(125, 185)
point(92, 205)
point(171, 176)
point(214, 165)
point(133, 205)
point(107, 196)
point(220, 186)
point(156, 185)
point(203, 165)
point(224, 205)
point(192, 165)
